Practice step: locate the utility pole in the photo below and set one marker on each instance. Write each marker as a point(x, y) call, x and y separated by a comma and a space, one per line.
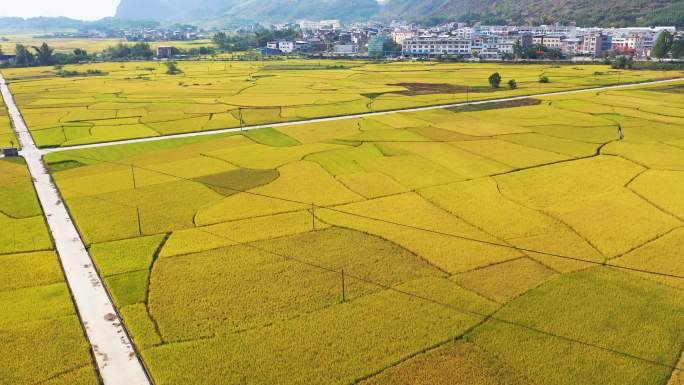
point(344, 294)
point(313, 217)
point(133, 175)
point(137, 210)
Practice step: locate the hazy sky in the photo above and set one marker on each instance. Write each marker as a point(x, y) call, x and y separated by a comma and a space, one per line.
point(77, 9)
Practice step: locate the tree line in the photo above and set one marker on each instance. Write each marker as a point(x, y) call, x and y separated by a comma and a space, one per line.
point(668, 45)
point(44, 55)
point(244, 41)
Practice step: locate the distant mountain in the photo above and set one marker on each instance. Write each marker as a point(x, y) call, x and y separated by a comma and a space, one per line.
point(247, 10)
point(584, 12)
point(38, 23)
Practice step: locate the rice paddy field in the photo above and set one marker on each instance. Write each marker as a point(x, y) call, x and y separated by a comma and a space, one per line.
point(7, 136)
point(41, 336)
point(518, 244)
point(138, 99)
point(68, 45)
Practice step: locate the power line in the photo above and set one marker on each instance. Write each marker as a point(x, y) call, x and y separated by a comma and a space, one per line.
point(386, 221)
point(383, 286)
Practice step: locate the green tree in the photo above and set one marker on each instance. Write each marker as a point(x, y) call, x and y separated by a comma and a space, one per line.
point(220, 39)
point(24, 57)
point(623, 62)
point(512, 84)
point(677, 49)
point(141, 50)
point(118, 51)
point(539, 47)
point(544, 79)
point(495, 80)
point(172, 68)
point(518, 51)
point(80, 52)
point(663, 45)
point(44, 54)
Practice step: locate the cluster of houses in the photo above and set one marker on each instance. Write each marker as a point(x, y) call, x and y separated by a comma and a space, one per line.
point(495, 42)
point(148, 34)
point(459, 40)
point(330, 37)
point(162, 34)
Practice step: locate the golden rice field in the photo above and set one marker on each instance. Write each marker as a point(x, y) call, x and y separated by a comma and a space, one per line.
point(68, 45)
point(41, 336)
point(434, 247)
point(138, 99)
point(7, 136)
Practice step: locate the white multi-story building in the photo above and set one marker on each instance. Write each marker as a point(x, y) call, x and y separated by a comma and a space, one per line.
point(323, 24)
point(435, 46)
point(626, 43)
point(463, 33)
point(594, 44)
point(286, 46)
point(281, 45)
point(400, 37)
point(346, 49)
point(571, 46)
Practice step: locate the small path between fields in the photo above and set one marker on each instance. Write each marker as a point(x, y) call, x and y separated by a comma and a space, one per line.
point(354, 116)
point(117, 361)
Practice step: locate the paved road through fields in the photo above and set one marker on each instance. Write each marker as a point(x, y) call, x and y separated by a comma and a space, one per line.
point(116, 358)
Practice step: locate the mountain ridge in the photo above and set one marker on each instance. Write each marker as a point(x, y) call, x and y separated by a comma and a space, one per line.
point(584, 12)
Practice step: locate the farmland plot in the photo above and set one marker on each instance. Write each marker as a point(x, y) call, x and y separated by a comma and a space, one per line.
point(134, 100)
point(434, 247)
point(40, 332)
point(7, 136)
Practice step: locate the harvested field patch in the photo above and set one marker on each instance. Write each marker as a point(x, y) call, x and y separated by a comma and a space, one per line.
point(234, 181)
point(497, 105)
point(413, 89)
